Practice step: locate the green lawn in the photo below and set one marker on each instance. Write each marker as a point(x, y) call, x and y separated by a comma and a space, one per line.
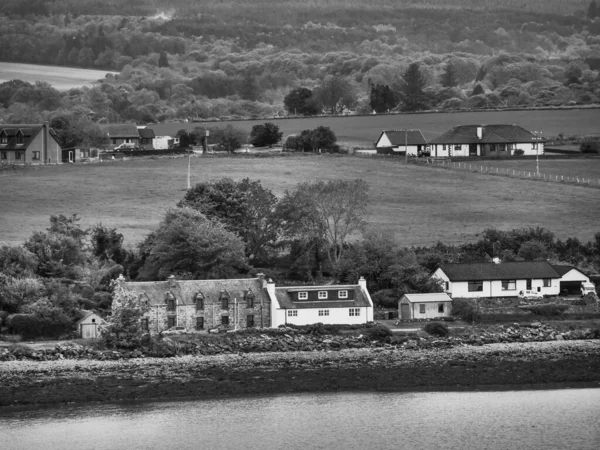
point(420, 204)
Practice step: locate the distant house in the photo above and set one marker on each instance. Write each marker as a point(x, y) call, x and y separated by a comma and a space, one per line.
point(331, 304)
point(122, 133)
point(476, 280)
point(399, 141)
point(89, 325)
point(570, 279)
point(486, 140)
point(146, 138)
point(75, 155)
point(29, 144)
point(424, 306)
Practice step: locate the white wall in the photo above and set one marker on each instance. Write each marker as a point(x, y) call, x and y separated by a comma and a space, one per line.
point(574, 275)
point(336, 316)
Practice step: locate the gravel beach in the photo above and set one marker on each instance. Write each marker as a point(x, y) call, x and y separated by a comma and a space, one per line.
point(534, 364)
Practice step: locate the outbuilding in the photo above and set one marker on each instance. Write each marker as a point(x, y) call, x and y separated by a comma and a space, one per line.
point(401, 142)
point(89, 325)
point(424, 306)
point(570, 279)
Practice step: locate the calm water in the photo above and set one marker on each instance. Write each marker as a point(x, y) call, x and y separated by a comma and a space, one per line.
point(550, 419)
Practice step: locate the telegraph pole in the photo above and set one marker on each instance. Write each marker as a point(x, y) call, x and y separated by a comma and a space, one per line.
point(537, 152)
point(405, 146)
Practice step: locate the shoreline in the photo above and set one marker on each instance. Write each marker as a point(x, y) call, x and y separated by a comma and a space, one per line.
point(535, 365)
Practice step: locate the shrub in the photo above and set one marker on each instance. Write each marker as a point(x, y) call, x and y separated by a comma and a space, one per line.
point(12, 338)
point(548, 310)
point(466, 310)
point(437, 329)
point(589, 147)
point(378, 333)
point(519, 152)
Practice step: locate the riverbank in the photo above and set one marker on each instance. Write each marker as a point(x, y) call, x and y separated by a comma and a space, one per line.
point(228, 375)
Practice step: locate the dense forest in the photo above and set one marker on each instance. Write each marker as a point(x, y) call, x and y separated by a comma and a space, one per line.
point(185, 59)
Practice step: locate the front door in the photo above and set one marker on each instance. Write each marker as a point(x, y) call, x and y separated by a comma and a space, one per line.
point(70, 156)
point(405, 311)
point(472, 149)
point(528, 284)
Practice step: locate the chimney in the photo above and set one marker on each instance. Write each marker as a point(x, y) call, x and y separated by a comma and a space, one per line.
point(172, 281)
point(261, 278)
point(480, 133)
point(362, 283)
point(271, 288)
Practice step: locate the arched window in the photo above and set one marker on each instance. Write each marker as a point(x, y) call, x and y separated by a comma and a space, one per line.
point(199, 300)
point(249, 299)
point(224, 296)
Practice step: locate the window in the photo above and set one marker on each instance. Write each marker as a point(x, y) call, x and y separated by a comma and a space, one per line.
point(322, 295)
point(475, 286)
point(547, 282)
point(170, 322)
point(20, 138)
point(292, 313)
point(3, 139)
point(3, 155)
point(36, 156)
point(354, 312)
point(440, 307)
point(224, 320)
point(250, 299)
point(343, 294)
point(93, 320)
point(224, 300)
point(457, 147)
point(199, 323)
point(512, 146)
point(170, 302)
point(422, 308)
point(323, 312)
point(17, 155)
point(534, 146)
point(199, 301)
point(145, 326)
point(509, 285)
point(250, 321)
point(302, 295)
point(447, 283)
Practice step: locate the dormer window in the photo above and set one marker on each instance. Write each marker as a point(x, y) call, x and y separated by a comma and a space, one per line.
point(322, 295)
point(249, 299)
point(224, 300)
point(3, 138)
point(343, 294)
point(302, 295)
point(20, 138)
point(170, 301)
point(199, 301)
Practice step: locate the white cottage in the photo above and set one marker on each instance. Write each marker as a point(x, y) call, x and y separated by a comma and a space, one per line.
point(486, 140)
point(399, 141)
point(477, 280)
point(348, 304)
point(424, 306)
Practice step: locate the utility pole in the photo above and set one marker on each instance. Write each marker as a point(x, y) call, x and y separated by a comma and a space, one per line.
point(189, 184)
point(405, 146)
point(537, 152)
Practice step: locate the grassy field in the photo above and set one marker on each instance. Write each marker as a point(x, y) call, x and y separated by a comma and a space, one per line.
point(61, 78)
point(419, 204)
point(364, 130)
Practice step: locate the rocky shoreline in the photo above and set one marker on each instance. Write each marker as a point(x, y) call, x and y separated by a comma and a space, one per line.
point(386, 368)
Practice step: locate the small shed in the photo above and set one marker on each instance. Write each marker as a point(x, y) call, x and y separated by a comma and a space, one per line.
point(570, 279)
point(424, 306)
point(89, 325)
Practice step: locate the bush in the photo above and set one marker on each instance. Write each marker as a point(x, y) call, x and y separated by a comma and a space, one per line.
point(12, 338)
point(519, 152)
point(466, 310)
point(589, 147)
point(548, 310)
point(378, 333)
point(437, 329)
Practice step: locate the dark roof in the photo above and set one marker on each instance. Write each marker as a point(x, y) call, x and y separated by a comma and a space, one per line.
point(282, 294)
point(492, 134)
point(502, 271)
point(121, 130)
point(401, 137)
point(146, 133)
point(28, 131)
point(185, 291)
point(563, 269)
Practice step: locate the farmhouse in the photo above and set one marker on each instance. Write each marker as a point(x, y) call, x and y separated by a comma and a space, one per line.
point(486, 140)
point(203, 304)
point(477, 280)
point(570, 279)
point(29, 144)
point(331, 304)
point(396, 141)
point(424, 306)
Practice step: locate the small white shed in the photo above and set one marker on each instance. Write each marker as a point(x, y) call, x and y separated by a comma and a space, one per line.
point(89, 325)
point(424, 306)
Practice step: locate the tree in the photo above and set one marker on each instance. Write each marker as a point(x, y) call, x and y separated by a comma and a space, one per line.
point(533, 250)
point(411, 89)
point(448, 78)
point(249, 89)
point(382, 98)
point(185, 139)
point(228, 138)
point(124, 325)
point(593, 10)
point(301, 101)
point(266, 134)
point(322, 138)
point(163, 60)
point(573, 74)
point(107, 244)
point(335, 94)
point(244, 207)
point(190, 245)
point(327, 212)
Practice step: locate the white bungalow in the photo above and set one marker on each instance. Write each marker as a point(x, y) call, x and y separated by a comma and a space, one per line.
point(331, 304)
point(486, 140)
point(424, 306)
point(399, 141)
point(477, 280)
